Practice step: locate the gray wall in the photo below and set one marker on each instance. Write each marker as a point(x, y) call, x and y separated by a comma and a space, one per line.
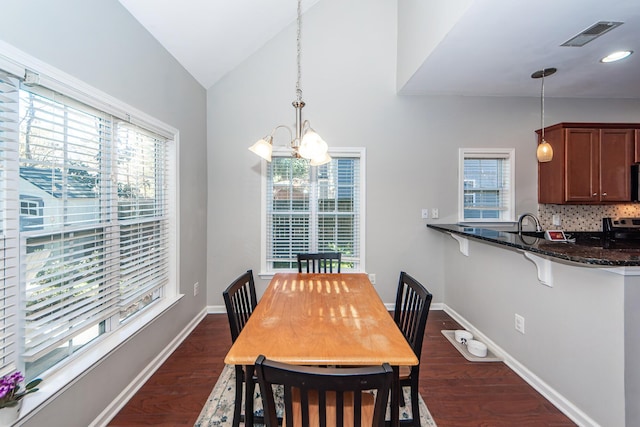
point(100, 43)
point(632, 349)
point(349, 80)
point(574, 331)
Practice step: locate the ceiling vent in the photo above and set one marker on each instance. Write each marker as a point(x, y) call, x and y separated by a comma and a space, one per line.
point(591, 33)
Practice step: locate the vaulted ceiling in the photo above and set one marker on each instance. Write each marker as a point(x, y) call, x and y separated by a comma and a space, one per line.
point(491, 50)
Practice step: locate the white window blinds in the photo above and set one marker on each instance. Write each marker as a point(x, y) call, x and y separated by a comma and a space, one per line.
point(66, 255)
point(142, 214)
point(94, 223)
point(8, 222)
point(313, 209)
point(486, 185)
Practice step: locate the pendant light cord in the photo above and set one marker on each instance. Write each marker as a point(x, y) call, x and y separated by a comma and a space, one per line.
point(542, 106)
point(299, 52)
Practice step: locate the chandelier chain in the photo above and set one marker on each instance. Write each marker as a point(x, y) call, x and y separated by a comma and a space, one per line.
point(299, 52)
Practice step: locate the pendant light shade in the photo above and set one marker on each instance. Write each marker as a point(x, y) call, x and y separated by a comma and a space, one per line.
point(320, 160)
point(263, 148)
point(312, 146)
point(544, 153)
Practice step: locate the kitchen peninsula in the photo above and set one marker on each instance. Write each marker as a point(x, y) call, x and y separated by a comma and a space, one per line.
point(587, 248)
point(581, 305)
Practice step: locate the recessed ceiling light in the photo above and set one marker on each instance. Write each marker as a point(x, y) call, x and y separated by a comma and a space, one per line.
point(616, 56)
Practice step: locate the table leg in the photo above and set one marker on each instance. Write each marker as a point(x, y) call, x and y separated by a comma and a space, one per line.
point(248, 398)
point(395, 398)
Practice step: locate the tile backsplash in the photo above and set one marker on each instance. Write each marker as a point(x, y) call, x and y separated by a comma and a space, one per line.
point(584, 217)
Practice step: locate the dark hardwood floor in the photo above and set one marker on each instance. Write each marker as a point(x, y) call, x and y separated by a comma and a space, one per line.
point(458, 393)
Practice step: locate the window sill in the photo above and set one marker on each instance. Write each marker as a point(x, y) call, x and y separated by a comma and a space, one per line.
point(269, 274)
point(70, 371)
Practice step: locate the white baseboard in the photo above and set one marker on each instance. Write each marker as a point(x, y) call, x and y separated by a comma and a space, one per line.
point(216, 309)
point(121, 400)
point(564, 405)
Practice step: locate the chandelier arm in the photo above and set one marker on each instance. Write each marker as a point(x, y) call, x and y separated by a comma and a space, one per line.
point(282, 127)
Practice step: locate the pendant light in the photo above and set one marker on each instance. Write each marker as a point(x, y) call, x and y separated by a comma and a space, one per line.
point(544, 153)
point(307, 144)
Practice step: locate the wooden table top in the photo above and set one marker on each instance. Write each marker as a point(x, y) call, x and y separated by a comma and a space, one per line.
point(321, 319)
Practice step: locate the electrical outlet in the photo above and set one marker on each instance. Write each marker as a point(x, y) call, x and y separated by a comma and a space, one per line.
point(556, 220)
point(519, 323)
point(372, 278)
point(434, 213)
point(196, 288)
point(425, 213)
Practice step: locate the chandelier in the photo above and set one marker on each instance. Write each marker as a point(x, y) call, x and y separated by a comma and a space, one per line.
point(307, 144)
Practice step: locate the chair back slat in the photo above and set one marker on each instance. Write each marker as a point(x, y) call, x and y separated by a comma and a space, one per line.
point(322, 262)
point(240, 300)
point(320, 396)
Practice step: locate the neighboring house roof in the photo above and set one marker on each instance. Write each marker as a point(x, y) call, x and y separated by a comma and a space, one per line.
point(51, 180)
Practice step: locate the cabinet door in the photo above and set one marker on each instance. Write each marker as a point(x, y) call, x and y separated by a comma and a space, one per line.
point(616, 151)
point(551, 174)
point(582, 165)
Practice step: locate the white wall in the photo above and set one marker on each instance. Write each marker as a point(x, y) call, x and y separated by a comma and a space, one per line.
point(100, 43)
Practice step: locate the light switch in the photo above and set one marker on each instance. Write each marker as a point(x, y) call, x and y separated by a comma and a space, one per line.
point(425, 213)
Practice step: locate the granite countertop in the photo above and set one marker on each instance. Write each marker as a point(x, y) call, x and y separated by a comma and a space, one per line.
point(587, 248)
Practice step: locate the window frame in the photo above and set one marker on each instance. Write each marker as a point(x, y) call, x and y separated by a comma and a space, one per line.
point(507, 153)
point(17, 63)
point(334, 152)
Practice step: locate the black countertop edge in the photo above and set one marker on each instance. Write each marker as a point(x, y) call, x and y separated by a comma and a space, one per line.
point(573, 252)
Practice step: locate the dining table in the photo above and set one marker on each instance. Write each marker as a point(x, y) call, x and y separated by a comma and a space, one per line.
point(335, 319)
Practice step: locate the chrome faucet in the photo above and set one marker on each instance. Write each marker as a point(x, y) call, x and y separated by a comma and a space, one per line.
point(532, 216)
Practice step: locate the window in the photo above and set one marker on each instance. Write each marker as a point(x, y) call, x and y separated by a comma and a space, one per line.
point(486, 184)
point(313, 209)
point(93, 204)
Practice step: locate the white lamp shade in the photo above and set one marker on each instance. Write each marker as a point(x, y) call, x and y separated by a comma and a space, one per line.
point(312, 146)
point(262, 148)
point(326, 158)
point(544, 152)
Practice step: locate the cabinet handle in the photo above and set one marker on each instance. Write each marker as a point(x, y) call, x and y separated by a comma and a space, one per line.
point(595, 194)
point(604, 194)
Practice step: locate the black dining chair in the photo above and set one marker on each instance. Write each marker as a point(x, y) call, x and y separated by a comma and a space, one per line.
point(410, 314)
point(322, 262)
point(240, 301)
point(325, 396)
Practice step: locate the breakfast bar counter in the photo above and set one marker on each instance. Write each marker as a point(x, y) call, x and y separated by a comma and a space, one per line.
point(587, 248)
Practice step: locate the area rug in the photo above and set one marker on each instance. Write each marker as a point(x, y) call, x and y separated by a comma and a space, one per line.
point(218, 411)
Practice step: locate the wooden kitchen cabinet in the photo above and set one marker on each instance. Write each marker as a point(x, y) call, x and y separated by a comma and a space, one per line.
point(591, 163)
